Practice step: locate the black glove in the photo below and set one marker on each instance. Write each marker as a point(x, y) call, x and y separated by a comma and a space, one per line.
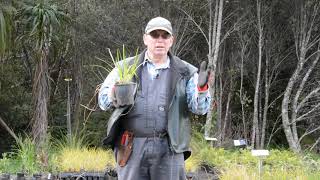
point(204, 73)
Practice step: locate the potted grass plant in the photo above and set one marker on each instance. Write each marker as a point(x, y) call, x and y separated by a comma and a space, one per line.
point(125, 89)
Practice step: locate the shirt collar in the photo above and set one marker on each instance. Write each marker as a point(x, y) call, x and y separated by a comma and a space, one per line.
point(161, 66)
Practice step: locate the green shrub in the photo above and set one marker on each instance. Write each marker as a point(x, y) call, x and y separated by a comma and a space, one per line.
point(25, 159)
point(8, 164)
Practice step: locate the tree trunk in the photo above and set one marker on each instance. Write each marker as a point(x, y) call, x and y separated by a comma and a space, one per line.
point(40, 92)
point(227, 114)
point(255, 137)
point(285, 110)
point(76, 74)
point(244, 46)
point(219, 107)
point(214, 44)
point(76, 89)
point(266, 102)
point(303, 28)
point(295, 106)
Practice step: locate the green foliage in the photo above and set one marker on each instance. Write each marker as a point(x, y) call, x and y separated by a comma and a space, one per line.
point(8, 163)
point(26, 156)
point(74, 155)
point(283, 159)
point(25, 159)
point(125, 70)
point(68, 155)
point(312, 161)
point(41, 17)
point(94, 134)
point(6, 23)
point(239, 164)
point(76, 141)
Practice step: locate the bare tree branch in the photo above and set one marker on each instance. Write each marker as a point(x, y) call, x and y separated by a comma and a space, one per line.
point(10, 131)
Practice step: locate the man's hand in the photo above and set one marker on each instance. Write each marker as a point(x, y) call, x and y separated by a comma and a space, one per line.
point(204, 74)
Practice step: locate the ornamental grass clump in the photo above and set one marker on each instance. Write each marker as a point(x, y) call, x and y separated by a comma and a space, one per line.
point(75, 156)
point(126, 68)
point(84, 159)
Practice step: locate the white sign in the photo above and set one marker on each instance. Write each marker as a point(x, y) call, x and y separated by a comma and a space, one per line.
point(240, 142)
point(260, 152)
point(210, 138)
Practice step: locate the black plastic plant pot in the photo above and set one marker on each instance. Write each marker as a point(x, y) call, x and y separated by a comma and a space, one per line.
point(5, 177)
point(124, 93)
point(85, 176)
point(20, 176)
point(37, 176)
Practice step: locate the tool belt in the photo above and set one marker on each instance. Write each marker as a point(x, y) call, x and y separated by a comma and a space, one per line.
point(125, 148)
point(154, 134)
point(126, 144)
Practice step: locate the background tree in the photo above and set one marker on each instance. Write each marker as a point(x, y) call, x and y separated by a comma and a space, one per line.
point(96, 25)
point(300, 99)
point(213, 40)
point(41, 18)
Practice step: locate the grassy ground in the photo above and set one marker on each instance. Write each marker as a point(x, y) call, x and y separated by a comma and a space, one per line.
point(240, 164)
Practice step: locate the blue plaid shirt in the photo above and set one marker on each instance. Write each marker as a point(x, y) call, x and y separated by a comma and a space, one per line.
point(198, 102)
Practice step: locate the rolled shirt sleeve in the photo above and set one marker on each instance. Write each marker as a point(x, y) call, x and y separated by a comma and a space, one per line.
point(198, 102)
point(105, 97)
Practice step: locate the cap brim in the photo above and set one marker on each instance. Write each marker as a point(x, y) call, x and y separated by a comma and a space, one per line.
point(159, 28)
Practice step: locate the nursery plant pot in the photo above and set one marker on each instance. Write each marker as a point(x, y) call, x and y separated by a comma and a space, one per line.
point(5, 177)
point(124, 93)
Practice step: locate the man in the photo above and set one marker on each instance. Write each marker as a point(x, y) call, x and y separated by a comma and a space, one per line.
point(156, 128)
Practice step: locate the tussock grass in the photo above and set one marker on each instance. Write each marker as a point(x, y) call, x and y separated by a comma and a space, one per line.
point(84, 159)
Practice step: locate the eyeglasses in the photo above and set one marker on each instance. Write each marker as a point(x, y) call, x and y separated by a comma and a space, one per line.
point(157, 34)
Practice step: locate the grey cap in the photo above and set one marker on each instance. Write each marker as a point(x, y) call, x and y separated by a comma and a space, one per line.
point(158, 23)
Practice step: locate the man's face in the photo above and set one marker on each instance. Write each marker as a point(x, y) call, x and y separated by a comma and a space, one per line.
point(158, 43)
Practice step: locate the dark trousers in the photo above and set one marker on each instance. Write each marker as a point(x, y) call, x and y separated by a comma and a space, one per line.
point(152, 159)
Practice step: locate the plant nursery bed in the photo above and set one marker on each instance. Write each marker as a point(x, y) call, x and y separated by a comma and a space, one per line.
point(61, 176)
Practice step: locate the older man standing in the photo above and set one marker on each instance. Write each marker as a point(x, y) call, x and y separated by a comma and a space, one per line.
point(151, 138)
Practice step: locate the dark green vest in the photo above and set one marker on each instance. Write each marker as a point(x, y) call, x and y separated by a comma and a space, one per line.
point(179, 129)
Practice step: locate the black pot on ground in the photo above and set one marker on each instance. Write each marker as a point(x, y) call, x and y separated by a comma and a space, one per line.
point(124, 93)
point(5, 176)
point(86, 176)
